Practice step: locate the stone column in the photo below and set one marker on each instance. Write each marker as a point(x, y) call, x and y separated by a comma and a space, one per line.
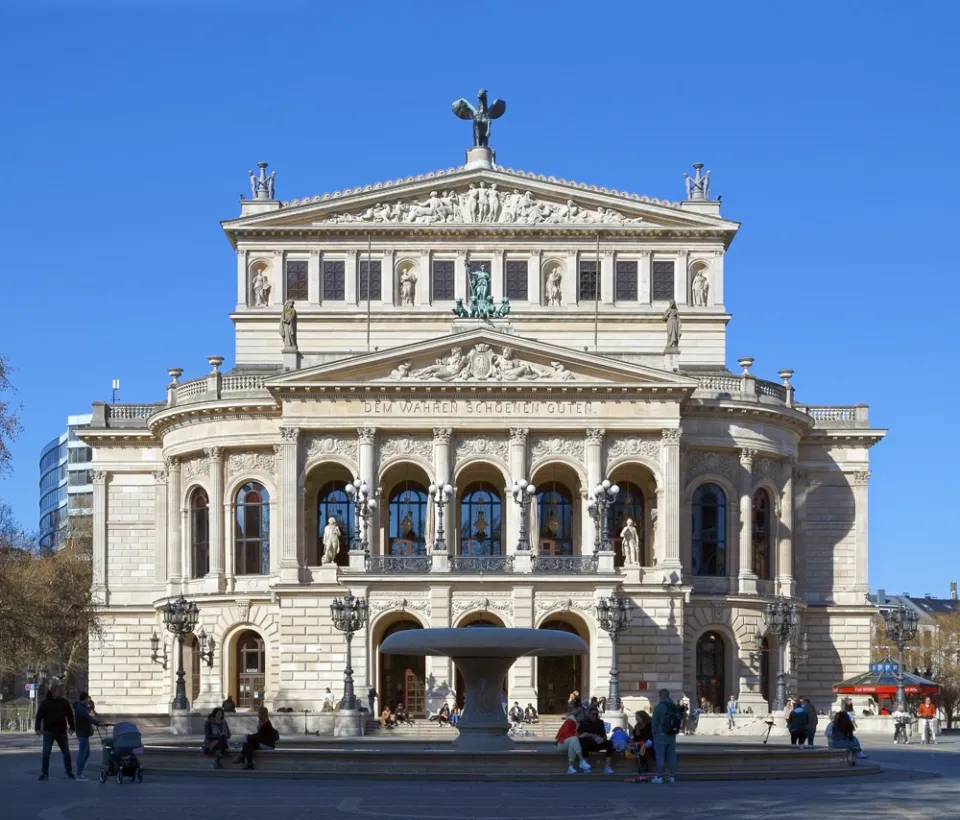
point(861, 586)
point(286, 560)
point(785, 581)
point(643, 278)
point(747, 577)
point(387, 277)
point(313, 277)
point(218, 537)
point(680, 277)
point(461, 285)
point(367, 465)
point(100, 535)
point(593, 459)
point(716, 280)
point(521, 680)
point(243, 282)
point(437, 667)
point(175, 572)
point(498, 286)
point(441, 454)
point(568, 284)
point(517, 458)
point(606, 283)
point(535, 277)
point(350, 278)
point(423, 292)
point(160, 524)
point(668, 522)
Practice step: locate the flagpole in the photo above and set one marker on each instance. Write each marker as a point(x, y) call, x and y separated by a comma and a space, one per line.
point(596, 302)
point(368, 292)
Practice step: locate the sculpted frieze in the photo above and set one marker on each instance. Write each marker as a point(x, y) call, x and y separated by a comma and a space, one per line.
point(237, 463)
point(705, 461)
point(483, 604)
point(543, 605)
point(378, 605)
point(191, 468)
point(407, 446)
point(480, 204)
point(543, 447)
point(620, 446)
point(481, 445)
point(331, 445)
point(481, 363)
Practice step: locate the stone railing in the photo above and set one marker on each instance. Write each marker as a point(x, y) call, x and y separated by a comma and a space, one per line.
point(398, 564)
point(566, 564)
point(772, 390)
point(240, 383)
point(491, 564)
point(189, 390)
point(122, 415)
point(720, 384)
point(215, 386)
point(711, 585)
point(856, 416)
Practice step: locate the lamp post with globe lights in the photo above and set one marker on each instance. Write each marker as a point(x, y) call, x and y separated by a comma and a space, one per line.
point(349, 615)
point(782, 619)
point(523, 495)
point(900, 624)
point(441, 493)
point(180, 617)
point(363, 507)
point(598, 507)
point(614, 616)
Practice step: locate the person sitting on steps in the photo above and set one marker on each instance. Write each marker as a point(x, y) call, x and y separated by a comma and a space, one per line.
point(216, 737)
point(387, 720)
point(530, 714)
point(593, 737)
point(401, 714)
point(265, 737)
point(567, 741)
point(516, 714)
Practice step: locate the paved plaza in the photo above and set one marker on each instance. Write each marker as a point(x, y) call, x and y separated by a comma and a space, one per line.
point(916, 782)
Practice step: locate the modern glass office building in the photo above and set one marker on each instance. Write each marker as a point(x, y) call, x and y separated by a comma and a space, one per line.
point(66, 482)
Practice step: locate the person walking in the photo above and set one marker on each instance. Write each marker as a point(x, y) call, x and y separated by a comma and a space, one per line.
point(54, 718)
point(665, 723)
point(797, 723)
point(812, 720)
point(85, 721)
point(731, 712)
point(926, 718)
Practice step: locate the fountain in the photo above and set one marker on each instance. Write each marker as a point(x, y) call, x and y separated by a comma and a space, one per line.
point(483, 656)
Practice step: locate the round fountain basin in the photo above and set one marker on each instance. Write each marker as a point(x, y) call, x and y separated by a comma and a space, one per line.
point(478, 642)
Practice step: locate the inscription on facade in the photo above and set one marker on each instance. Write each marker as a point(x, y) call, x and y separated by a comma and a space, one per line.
point(446, 407)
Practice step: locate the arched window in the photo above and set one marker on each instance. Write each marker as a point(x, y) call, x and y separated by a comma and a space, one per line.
point(251, 670)
point(333, 502)
point(629, 504)
point(761, 535)
point(199, 533)
point(555, 518)
point(710, 670)
point(251, 538)
point(709, 539)
point(408, 519)
point(481, 510)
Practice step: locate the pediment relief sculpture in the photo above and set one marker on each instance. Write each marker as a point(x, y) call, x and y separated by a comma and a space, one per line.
point(481, 363)
point(481, 204)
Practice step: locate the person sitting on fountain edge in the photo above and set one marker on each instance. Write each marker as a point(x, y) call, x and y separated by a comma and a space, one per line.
point(567, 741)
point(593, 737)
point(516, 713)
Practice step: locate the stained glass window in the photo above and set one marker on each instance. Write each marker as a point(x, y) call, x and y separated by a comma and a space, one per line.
point(252, 530)
point(334, 280)
point(481, 520)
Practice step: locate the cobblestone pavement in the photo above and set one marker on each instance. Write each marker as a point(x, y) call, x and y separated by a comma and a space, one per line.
point(916, 783)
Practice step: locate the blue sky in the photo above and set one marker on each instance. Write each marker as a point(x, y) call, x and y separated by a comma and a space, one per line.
point(830, 128)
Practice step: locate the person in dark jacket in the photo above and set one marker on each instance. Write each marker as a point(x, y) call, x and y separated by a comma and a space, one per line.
point(797, 722)
point(216, 737)
point(85, 722)
point(265, 737)
point(228, 705)
point(812, 720)
point(593, 737)
point(642, 742)
point(54, 718)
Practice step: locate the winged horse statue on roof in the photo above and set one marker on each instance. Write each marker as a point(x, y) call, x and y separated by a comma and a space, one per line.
point(481, 116)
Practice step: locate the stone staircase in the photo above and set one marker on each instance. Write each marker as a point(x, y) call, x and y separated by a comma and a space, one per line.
point(423, 729)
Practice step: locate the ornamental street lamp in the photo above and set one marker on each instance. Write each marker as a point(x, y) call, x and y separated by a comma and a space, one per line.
point(363, 507)
point(349, 616)
point(782, 620)
point(207, 645)
point(441, 494)
point(604, 494)
point(614, 615)
point(180, 617)
point(901, 627)
point(523, 494)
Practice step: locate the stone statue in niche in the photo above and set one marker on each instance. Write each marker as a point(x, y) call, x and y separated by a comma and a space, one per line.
point(672, 317)
point(288, 326)
point(554, 280)
point(331, 541)
point(261, 288)
point(630, 543)
point(408, 287)
point(700, 289)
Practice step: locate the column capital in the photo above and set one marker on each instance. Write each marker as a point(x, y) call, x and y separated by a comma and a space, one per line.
point(860, 478)
point(747, 457)
point(99, 477)
point(289, 435)
point(644, 252)
point(171, 463)
point(518, 435)
point(442, 435)
point(367, 435)
point(160, 476)
point(213, 454)
point(595, 435)
point(670, 435)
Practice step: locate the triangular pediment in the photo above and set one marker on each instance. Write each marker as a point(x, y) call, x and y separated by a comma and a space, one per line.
point(482, 199)
point(482, 357)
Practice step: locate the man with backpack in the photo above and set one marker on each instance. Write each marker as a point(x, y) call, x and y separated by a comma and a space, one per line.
point(666, 722)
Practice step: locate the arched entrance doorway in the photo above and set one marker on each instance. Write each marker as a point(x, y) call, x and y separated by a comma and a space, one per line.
point(479, 620)
point(558, 677)
point(251, 670)
point(402, 677)
point(711, 670)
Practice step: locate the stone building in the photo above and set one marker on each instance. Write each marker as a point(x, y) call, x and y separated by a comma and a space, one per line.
point(371, 342)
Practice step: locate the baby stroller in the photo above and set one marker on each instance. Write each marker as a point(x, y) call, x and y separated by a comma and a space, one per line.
point(120, 753)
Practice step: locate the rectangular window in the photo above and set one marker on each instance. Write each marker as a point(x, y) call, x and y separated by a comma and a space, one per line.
point(296, 280)
point(662, 281)
point(626, 281)
point(587, 281)
point(442, 287)
point(516, 279)
point(334, 278)
point(374, 280)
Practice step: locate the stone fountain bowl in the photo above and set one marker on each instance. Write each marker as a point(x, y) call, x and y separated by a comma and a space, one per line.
point(483, 656)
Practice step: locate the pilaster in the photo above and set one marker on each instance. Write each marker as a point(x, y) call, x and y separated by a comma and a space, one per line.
point(313, 276)
point(593, 452)
point(160, 524)
point(366, 463)
point(219, 535)
point(606, 277)
point(643, 278)
point(350, 278)
point(745, 574)
point(668, 536)
point(100, 535)
point(785, 580)
point(461, 287)
point(423, 290)
point(387, 277)
point(517, 455)
point(498, 287)
point(680, 276)
point(568, 285)
point(285, 562)
point(861, 587)
point(535, 277)
point(243, 284)
point(175, 571)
